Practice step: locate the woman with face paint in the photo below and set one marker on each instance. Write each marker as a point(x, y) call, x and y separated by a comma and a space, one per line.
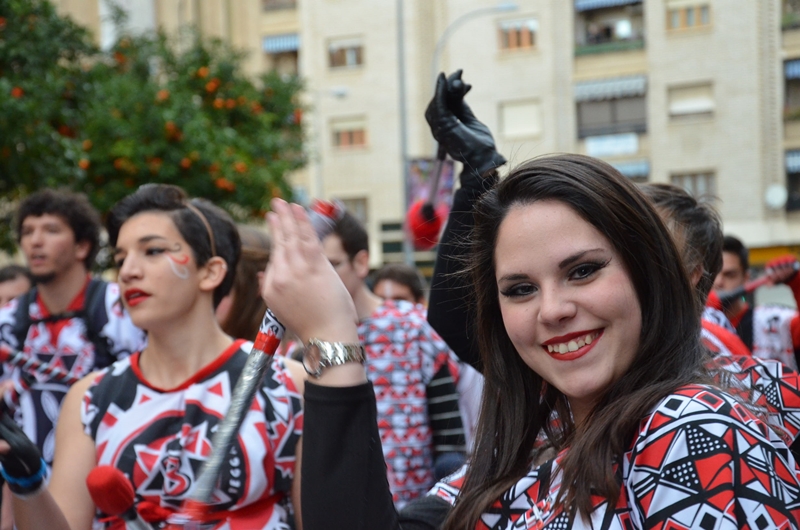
point(152, 416)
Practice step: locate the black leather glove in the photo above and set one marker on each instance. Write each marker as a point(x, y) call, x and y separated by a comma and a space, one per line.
point(456, 128)
point(23, 466)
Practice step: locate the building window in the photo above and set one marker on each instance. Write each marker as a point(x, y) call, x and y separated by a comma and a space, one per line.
point(345, 53)
point(521, 119)
point(518, 34)
point(349, 133)
point(691, 100)
point(611, 29)
point(791, 14)
point(793, 187)
point(358, 207)
point(698, 184)
point(689, 17)
point(612, 116)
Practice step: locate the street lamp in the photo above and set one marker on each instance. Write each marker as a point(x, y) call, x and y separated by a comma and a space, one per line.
point(503, 7)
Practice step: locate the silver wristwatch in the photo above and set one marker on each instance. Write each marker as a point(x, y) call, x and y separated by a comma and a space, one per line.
point(319, 355)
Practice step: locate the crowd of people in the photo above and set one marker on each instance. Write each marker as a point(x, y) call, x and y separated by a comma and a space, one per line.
point(585, 357)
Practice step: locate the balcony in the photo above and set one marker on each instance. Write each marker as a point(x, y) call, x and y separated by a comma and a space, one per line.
point(609, 47)
point(609, 29)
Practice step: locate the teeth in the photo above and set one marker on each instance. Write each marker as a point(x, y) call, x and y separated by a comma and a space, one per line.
point(572, 345)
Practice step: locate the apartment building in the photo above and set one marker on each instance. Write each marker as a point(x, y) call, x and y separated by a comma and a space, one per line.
point(701, 93)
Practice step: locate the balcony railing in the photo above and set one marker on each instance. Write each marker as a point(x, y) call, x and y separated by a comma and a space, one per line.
point(274, 5)
point(609, 47)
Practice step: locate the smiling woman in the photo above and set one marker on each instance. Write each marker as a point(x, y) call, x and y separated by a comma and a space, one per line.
point(596, 411)
point(152, 415)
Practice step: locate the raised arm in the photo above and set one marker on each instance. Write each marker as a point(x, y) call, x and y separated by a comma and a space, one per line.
point(470, 142)
point(343, 477)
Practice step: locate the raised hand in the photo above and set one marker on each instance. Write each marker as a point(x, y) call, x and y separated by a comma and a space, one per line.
point(301, 287)
point(457, 129)
point(782, 269)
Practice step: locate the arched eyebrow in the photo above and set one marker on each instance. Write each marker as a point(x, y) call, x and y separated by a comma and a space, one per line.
point(143, 239)
point(570, 260)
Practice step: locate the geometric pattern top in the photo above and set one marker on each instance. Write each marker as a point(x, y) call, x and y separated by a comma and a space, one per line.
point(701, 459)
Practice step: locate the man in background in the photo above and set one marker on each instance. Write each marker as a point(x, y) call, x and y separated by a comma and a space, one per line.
point(398, 281)
point(68, 320)
point(769, 331)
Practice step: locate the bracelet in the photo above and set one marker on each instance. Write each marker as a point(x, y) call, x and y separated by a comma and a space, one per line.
point(319, 354)
point(25, 485)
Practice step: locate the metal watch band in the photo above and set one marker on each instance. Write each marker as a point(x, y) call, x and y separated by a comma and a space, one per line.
point(332, 354)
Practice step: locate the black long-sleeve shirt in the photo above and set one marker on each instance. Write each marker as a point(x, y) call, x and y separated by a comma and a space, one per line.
point(344, 470)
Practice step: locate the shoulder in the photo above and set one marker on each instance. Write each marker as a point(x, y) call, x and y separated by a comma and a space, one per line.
point(700, 412)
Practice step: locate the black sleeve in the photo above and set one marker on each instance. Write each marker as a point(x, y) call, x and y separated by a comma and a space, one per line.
point(450, 311)
point(344, 481)
point(444, 414)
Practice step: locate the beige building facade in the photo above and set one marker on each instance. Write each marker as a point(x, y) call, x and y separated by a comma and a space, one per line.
point(701, 93)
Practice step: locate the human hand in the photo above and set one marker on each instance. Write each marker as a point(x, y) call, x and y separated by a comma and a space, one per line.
point(456, 128)
point(782, 269)
point(23, 466)
point(300, 286)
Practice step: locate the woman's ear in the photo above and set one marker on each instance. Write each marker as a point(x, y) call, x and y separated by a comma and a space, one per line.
point(213, 273)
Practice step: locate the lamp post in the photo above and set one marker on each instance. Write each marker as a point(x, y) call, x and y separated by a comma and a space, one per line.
point(503, 7)
point(408, 251)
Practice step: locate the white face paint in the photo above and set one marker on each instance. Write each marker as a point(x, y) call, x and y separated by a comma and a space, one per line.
point(178, 261)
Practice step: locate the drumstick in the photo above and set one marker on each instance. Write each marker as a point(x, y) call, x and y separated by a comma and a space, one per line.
point(266, 343)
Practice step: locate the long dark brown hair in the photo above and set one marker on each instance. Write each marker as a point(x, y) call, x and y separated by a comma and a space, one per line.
point(517, 403)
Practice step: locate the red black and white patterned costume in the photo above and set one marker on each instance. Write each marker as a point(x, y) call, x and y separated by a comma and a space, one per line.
point(403, 355)
point(699, 460)
point(160, 438)
point(63, 344)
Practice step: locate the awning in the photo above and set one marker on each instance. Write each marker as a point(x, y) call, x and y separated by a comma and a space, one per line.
point(792, 69)
point(281, 43)
point(793, 161)
point(611, 88)
point(633, 169)
point(587, 5)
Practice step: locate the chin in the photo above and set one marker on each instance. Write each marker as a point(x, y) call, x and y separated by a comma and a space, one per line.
point(43, 277)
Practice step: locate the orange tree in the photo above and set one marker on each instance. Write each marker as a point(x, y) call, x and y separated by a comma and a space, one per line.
point(149, 110)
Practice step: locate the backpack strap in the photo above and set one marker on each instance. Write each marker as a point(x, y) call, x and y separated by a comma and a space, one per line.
point(22, 319)
point(95, 318)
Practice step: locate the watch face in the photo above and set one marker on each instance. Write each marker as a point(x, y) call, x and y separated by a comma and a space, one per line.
point(311, 360)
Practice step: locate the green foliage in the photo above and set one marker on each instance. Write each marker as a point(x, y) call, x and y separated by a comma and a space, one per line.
point(152, 109)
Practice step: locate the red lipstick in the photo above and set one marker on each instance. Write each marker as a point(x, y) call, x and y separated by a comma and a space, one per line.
point(569, 336)
point(135, 297)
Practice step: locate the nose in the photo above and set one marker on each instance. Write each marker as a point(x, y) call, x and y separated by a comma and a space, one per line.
point(555, 305)
point(129, 270)
point(718, 284)
point(36, 237)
